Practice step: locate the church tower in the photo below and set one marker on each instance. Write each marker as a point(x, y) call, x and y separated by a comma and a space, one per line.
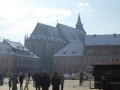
point(79, 25)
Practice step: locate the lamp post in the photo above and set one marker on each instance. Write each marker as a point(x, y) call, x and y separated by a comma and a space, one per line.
point(14, 59)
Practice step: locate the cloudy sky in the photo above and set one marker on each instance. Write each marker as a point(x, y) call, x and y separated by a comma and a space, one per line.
point(19, 17)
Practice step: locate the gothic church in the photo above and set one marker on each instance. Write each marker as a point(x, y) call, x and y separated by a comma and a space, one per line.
point(45, 41)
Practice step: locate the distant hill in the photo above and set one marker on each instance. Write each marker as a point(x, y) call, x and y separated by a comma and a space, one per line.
point(1, 39)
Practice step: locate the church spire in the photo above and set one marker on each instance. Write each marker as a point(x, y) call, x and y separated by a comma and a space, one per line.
point(79, 25)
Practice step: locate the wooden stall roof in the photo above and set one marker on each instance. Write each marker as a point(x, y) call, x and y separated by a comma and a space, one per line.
point(104, 64)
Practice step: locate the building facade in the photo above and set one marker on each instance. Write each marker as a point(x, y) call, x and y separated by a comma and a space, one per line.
point(101, 48)
point(70, 58)
point(15, 58)
point(53, 45)
point(45, 41)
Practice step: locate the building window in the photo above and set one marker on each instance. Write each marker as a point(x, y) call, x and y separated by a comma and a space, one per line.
point(97, 51)
point(80, 61)
point(87, 60)
point(2, 60)
point(68, 60)
point(57, 61)
point(96, 59)
point(92, 60)
point(64, 61)
point(11, 61)
point(6, 70)
point(90, 52)
point(6, 61)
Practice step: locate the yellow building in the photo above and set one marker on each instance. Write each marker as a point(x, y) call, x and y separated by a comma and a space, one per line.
point(15, 58)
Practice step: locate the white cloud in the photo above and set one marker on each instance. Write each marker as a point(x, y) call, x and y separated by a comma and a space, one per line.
point(84, 7)
point(22, 18)
point(51, 14)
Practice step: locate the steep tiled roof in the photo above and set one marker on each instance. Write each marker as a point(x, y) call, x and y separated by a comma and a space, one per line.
point(71, 34)
point(46, 32)
point(6, 48)
point(72, 49)
point(111, 39)
point(16, 45)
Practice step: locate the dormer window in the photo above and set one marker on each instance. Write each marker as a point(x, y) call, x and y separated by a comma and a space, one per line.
point(22, 48)
point(94, 35)
point(18, 46)
point(114, 35)
point(64, 51)
point(73, 51)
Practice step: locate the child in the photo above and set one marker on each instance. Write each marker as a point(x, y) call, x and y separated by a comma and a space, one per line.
point(9, 83)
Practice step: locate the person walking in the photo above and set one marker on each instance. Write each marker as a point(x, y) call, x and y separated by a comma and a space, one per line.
point(33, 78)
point(45, 81)
point(14, 82)
point(104, 80)
point(62, 80)
point(9, 83)
point(29, 75)
point(0, 79)
point(37, 80)
point(56, 81)
point(109, 80)
point(21, 77)
point(81, 79)
point(27, 82)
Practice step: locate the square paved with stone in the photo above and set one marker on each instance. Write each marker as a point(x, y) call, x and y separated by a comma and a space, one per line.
point(69, 85)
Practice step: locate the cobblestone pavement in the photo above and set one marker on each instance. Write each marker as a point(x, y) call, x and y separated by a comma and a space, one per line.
point(68, 85)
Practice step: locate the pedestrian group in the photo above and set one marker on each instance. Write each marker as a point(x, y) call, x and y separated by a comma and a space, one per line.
point(40, 80)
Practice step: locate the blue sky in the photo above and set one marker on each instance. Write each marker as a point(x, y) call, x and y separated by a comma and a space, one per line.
point(19, 17)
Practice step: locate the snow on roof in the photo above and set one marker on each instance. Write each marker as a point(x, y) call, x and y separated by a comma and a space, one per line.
point(72, 49)
point(72, 33)
point(111, 39)
point(6, 48)
point(16, 45)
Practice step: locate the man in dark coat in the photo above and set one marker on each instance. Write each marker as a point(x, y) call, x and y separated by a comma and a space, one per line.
point(21, 77)
point(14, 82)
point(37, 80)
point(109, 80)
point(45, 81)
point(56, 81)
point(81, 79)
point(104, 80)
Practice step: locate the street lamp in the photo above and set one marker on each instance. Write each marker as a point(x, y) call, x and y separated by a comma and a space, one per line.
point(14, 58)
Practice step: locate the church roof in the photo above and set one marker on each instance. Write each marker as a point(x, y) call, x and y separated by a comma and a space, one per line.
point(72, 49)
point(110, 39)
point(46, 32)
point(71, 34)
